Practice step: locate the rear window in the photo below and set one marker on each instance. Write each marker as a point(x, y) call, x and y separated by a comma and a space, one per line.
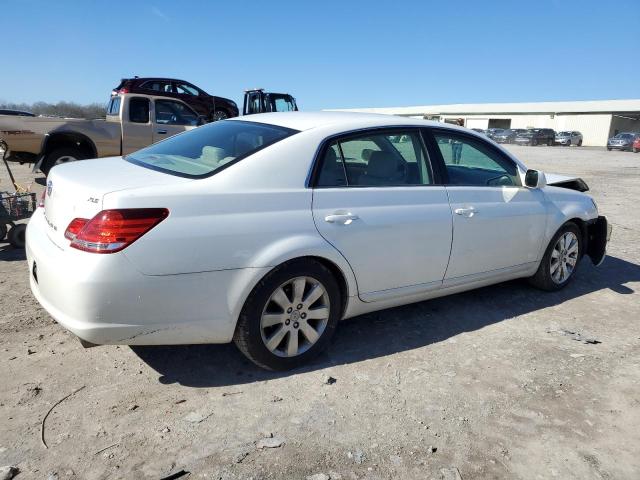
point(205, 150)
point(114, 106)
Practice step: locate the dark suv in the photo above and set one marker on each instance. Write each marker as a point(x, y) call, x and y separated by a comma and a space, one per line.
point(536, 136)
point(211, 107)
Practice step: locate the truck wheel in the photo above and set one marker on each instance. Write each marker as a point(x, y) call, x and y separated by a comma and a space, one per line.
point(16, 235)
point(550, 143)
point(220, 115)
point(3, 231)
point(59, 156)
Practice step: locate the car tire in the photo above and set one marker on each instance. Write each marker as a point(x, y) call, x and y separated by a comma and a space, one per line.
point(579, 143)
point(59, 156)
point(555, 270)
point(3, 231)
point(534, 143)
point(550, 143)
point(17, 235)
point(276, 312)
point(608, 149)
point(219, 115)
point(636, 150)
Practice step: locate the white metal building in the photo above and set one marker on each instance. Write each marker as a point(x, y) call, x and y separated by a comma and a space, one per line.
point(597, 120)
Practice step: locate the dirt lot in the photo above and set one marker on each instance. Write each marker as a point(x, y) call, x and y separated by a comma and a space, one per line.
point(488, 382)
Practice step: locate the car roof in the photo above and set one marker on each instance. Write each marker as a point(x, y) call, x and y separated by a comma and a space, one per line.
point(341, 120)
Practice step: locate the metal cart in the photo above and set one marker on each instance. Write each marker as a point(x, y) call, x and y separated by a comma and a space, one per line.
point(14, 207)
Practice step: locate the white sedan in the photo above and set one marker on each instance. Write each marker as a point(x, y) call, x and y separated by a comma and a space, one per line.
point(267, 232)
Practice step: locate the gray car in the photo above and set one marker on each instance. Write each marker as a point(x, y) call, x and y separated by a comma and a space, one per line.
point(622, 141)
point(568, 138)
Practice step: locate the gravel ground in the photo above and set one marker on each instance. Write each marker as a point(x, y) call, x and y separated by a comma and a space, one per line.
point(485, 384)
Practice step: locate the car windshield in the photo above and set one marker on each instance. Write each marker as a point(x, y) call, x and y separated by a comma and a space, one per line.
point(528, 133)
point(203, 151)
point(623, 136)
point(564, 134)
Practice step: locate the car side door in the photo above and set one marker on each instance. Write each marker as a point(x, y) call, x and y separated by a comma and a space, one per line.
point(137, 128)
point(498, 223)
point(377, 201)
point(172, 117)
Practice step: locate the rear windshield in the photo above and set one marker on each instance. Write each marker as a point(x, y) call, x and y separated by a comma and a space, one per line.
point(203, 151)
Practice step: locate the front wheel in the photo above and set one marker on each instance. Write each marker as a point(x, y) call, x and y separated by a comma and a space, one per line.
point(579, 143)
point(636, 150)
point(560, 260)
point(550, 143)
point(220, 115)
point(290, 316)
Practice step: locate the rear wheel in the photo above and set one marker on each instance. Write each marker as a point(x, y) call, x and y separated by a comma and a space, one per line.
point(17, 234)
point(60, 156)
point(290, 316)
point(560, 260)
point(579, 143)
point(550, 142)
point(534, 142)
point(3, 231)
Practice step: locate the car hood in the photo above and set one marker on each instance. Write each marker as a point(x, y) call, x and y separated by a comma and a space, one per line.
point(565, 181)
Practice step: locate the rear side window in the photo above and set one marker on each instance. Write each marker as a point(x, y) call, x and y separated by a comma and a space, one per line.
point(158, 86)
point(204, 151)
point(375, 160)
point(139, 110)
point(114, 106)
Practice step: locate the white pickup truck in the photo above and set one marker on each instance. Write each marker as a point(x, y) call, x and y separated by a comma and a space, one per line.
point(133, 121)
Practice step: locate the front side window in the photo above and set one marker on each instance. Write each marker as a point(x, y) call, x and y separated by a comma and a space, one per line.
point(375, 159)
point(470, 161)
point(203, 151)
point(139, 110)
point(170, 112)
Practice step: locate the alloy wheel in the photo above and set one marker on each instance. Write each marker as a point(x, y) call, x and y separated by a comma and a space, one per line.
point(564, 257)
point(295, 316)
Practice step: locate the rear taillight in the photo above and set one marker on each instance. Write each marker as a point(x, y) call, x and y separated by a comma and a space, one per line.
point(113, 230)
point(124, 90)
point(74, 228)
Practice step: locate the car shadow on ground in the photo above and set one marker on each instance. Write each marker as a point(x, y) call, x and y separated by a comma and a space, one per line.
point(11, 254)
point(390, 331)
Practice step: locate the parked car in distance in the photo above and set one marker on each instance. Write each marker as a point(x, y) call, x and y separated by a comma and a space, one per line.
point(492, 132)
point(536, 136)
point(508, 135)
point(132, 121)
point(622, 141)
point(19, 113)
point(213, 108)
point(178, 244)
point(636, 145)
point(568, 138)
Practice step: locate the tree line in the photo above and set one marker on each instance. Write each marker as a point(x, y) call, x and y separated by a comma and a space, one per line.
point(60, 109)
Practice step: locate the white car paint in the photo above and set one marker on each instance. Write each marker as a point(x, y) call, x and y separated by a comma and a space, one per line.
point(187, 279)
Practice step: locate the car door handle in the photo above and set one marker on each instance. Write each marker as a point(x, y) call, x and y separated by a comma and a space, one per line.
point(466, 212)
point(161, 132)
point(344, 218)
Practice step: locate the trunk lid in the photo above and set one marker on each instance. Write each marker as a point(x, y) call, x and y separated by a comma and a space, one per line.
point(77, 190)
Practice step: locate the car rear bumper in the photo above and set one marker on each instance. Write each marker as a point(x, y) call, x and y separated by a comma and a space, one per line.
point(103, 299)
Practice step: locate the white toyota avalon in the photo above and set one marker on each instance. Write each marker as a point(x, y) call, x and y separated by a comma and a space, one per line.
point(268, 231)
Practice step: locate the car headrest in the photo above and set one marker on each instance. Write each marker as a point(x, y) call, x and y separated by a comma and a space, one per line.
point(382, 165)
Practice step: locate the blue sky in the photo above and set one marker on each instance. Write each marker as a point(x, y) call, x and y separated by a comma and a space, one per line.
point(329, 54)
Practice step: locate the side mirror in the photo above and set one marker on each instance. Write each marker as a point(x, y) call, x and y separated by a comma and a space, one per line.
point(535, 179)
point(201, 120)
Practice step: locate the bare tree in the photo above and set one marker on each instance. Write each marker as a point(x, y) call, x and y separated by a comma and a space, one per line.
point(60, 109)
